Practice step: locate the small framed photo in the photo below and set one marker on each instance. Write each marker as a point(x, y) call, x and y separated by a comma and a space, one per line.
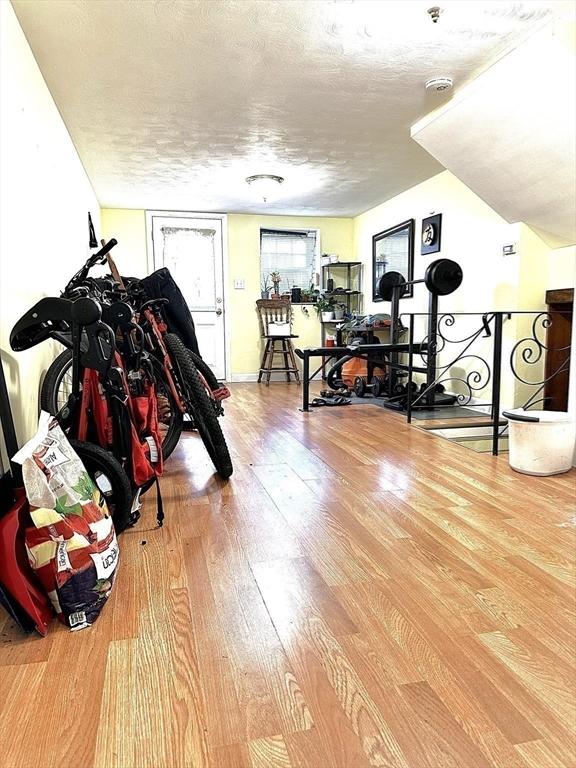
point(431, 234)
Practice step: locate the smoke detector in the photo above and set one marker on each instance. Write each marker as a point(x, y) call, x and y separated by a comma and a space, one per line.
point(439, 84)
point(434, 13)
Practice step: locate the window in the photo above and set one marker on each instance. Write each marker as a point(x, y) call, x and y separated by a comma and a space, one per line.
point(292, 254)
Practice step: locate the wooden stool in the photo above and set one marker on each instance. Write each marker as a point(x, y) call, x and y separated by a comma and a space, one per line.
point(276, 311)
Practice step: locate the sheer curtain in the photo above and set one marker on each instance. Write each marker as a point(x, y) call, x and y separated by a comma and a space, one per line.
point(292, 254)
point(189, 254)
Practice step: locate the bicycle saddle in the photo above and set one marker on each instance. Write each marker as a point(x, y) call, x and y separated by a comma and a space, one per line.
point(50, 315)
point(118, 313)
point(86, 311)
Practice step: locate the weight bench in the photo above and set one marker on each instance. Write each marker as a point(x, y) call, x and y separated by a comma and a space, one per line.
point(375, 354)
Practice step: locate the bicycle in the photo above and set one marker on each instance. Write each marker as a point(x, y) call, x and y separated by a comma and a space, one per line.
point(186, 381)
point(100, 411)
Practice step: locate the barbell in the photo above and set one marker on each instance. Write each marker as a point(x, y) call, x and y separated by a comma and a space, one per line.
point(442, 277)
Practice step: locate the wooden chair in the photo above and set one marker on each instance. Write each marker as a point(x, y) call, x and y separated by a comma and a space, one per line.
point(276, 311)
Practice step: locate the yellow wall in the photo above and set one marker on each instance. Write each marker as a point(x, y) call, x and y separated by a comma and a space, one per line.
point(473, 235)
point(562, 268)
point(244, 263)
point(45, 197)
point(129, 228)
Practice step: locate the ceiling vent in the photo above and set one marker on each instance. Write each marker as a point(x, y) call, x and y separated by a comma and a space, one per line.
point(439, 84)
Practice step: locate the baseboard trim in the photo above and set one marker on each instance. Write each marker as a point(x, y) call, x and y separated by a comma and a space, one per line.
point(239, 378)
point(243, 378)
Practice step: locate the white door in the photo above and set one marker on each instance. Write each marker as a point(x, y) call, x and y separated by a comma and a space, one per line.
point(192, 249)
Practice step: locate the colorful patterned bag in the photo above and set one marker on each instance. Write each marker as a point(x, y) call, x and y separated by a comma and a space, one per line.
point(72, 545)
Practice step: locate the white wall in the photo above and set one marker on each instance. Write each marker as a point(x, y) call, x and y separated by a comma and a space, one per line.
point(45, 197)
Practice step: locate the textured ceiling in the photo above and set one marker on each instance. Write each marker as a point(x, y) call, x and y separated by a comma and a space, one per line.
point(521, 156)
point(172, 103)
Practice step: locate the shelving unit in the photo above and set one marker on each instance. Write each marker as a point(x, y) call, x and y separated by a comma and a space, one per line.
point(351, 273)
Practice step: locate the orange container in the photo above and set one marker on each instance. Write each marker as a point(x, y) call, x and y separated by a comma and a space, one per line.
point(357, 367)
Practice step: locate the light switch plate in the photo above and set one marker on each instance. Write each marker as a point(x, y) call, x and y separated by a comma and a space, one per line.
point(239, 285)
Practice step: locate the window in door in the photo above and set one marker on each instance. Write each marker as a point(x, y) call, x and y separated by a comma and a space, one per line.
point(292, 253)
point(191, 246)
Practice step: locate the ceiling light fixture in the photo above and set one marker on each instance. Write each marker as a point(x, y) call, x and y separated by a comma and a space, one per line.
point(266, 184)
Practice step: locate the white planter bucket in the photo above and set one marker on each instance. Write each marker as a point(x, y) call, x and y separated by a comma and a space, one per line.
point(327, 316)
point(541, 442)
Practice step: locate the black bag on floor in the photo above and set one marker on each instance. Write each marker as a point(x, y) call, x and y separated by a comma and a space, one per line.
point(161, 285)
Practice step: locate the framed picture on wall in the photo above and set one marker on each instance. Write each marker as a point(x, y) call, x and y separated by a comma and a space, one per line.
point(431, 234)
point(393, 251)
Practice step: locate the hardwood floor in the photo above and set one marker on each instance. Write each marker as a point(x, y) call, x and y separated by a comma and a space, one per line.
point(361, 593)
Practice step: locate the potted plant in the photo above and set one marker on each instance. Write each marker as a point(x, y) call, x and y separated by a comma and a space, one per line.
point(325, 308)
point(265, 289)
point(339, 310)
point(276, 282)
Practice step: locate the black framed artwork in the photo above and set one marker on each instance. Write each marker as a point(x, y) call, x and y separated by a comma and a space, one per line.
point(431, 234)
point(393, 251)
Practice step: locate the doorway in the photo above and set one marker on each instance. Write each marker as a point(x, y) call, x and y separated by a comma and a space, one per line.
point(558, 346)
point(192, 247)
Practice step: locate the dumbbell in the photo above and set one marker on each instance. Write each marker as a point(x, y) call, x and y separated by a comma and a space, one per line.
point(440, 388)
point(442, 277)
point(361, 386)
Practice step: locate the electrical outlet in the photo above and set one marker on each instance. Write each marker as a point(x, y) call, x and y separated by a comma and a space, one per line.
point(239, 285)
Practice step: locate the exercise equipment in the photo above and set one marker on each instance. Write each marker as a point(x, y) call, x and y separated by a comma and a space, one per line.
point(442, 277)
point(362, 387)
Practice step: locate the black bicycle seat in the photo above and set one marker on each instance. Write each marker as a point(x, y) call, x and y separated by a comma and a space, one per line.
point(86, 311)
point(50, 315)
point(116, 314)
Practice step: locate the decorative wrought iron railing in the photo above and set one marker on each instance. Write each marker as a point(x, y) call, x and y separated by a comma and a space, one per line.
point(483, 359)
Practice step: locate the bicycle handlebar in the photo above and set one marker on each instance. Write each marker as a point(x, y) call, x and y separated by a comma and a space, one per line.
point(96, 258)
point(105, 249)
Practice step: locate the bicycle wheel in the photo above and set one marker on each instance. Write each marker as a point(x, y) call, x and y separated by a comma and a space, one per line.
point(170, 417)
point(114, 484)
point(205, 370)
point(57, 383)
point(57, 386)
point(201, 407)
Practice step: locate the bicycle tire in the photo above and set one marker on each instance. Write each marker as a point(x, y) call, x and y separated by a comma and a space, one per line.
point(61, 367)
point(200, 405)
point(205, 370)
point(171, 437)
point(119, 499)
point(53, 380)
